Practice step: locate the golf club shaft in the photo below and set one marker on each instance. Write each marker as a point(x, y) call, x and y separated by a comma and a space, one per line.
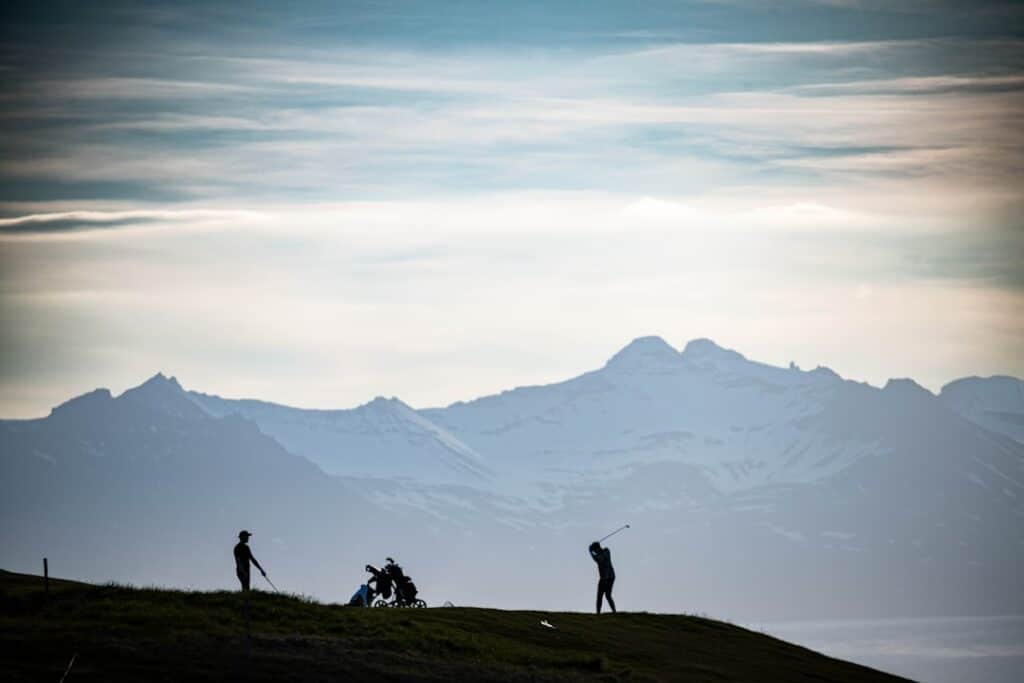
point(624, 526)
point(271, 583)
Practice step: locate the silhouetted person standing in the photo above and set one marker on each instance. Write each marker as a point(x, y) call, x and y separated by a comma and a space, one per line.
point(243, 556)
point(605, 572)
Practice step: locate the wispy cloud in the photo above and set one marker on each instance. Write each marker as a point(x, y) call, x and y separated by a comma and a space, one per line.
point(919, 85)
point(85, 220)
point(111, 88)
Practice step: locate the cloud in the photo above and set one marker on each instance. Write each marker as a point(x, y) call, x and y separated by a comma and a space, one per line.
point(661, 211)
point(112, 88)
point(811, 214)
point(921, 85)
point(68, 221)
point(382, 121)
point(817, 48)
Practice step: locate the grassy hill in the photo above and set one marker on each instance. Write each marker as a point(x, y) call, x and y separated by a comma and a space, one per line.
point(118, 633)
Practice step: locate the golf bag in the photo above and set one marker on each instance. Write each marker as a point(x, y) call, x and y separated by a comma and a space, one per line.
point(379, 582)
point(405, 590)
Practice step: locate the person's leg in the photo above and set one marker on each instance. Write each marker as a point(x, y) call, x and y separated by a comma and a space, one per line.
point(608, 593)
point(243, 578)
point(600, 590)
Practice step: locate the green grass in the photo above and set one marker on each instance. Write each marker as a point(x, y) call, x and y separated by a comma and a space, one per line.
point(134, 634)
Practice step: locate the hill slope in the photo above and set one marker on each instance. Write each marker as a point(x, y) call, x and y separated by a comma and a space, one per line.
point(118, 633)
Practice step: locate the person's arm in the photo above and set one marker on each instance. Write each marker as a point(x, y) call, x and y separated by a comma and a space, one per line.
point(255, 562)
point(594, 554)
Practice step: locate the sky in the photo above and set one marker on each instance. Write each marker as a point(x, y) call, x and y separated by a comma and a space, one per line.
point(324, 202)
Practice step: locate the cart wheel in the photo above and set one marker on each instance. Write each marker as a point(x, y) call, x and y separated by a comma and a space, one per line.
point(380, 602)
point(420, 604)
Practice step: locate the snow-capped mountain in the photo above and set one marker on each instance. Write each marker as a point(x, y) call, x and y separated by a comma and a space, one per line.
point(383, 438)
point(147, 487)
point(996, 403)
point(738, 422)
point(752, 490)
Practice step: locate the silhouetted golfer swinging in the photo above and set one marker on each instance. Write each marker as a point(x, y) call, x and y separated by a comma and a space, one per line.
point(606, 574)
point(243, 556)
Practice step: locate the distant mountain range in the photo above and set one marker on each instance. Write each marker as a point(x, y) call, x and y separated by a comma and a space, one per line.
point(752, 490)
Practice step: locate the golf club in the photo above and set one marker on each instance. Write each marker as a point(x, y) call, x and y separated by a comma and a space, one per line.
point(621, 528)
point(271, 583)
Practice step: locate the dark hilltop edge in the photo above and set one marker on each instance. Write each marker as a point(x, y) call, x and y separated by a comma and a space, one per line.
point(120, 633)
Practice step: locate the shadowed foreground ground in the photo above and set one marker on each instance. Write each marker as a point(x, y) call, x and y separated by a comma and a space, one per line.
point(119, 634)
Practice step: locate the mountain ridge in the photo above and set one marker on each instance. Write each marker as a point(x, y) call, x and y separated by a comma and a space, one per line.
point(875, 501)
point(699, 347)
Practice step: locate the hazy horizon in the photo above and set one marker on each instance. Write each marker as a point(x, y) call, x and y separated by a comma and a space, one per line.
point(189, 385)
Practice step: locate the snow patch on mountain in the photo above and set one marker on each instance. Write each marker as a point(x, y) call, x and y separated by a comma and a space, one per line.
point(996, 403)
point(382, 438)
point(741, 423)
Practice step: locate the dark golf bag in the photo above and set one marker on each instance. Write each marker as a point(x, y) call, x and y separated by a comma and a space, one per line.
point(405, 589)
point(394, 571)
point(380, 582)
